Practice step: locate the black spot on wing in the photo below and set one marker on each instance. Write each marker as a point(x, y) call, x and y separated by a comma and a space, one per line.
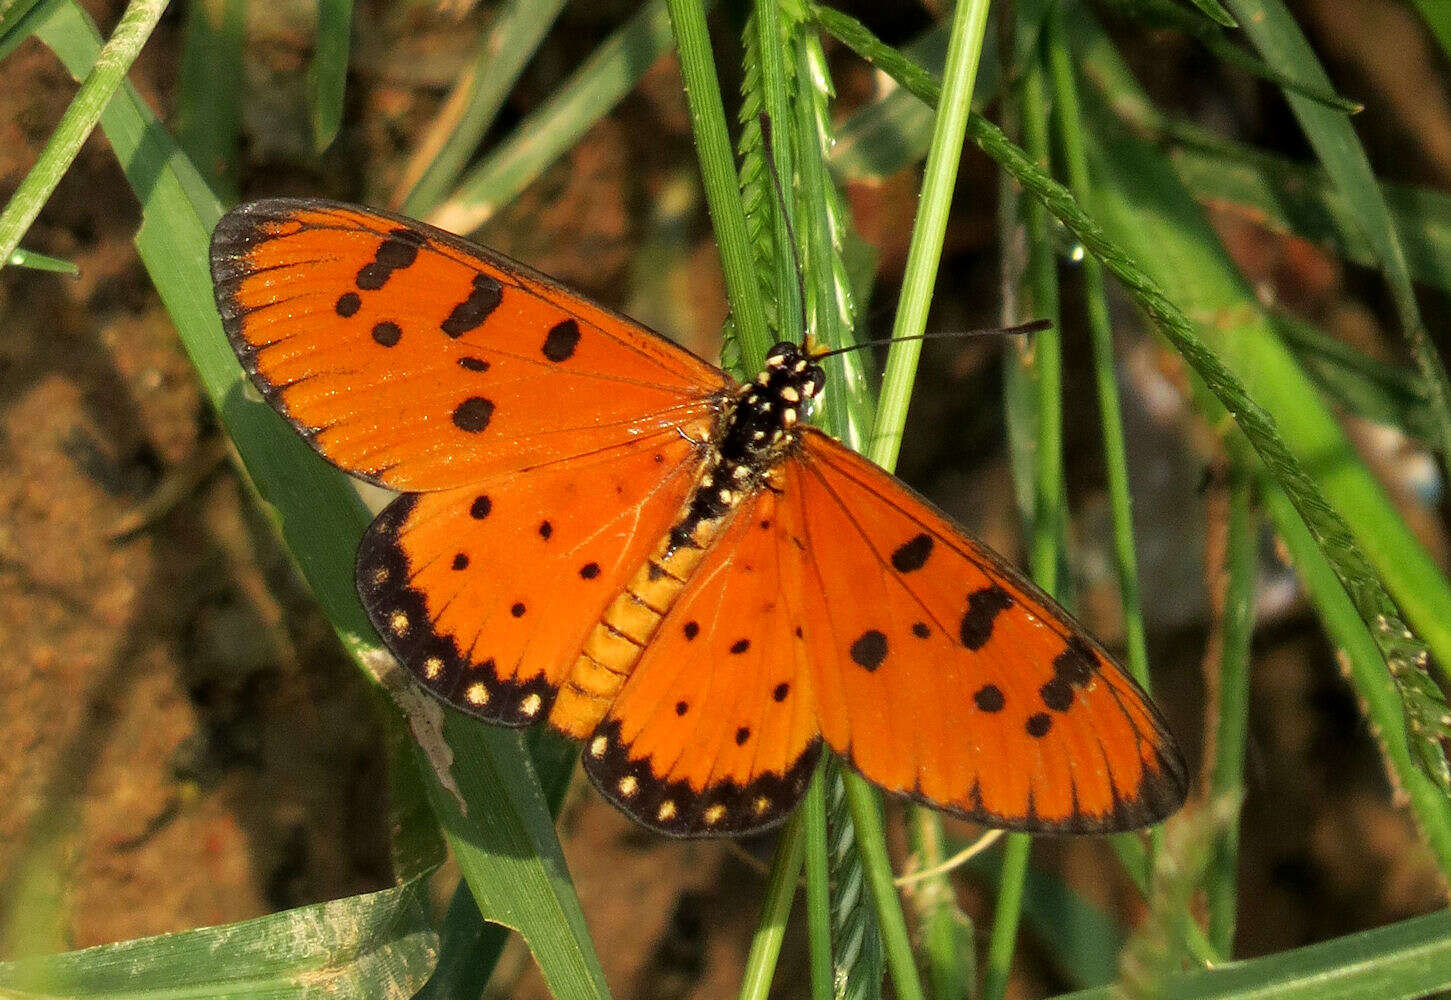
point(399, 250)
point(473, 364)
point(470, 314)
point(387, 333)
point(473, 414)
point(1038, 724)
point(989, 698)
point(983, 608)
point(1075, 665)
point(561, 341)
point(912, 554)
point(347, 304)
point(480, 508)
point(869, 650)
point(1057, 694)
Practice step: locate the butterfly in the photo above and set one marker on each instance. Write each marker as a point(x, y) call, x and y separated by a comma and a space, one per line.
point(599, 530)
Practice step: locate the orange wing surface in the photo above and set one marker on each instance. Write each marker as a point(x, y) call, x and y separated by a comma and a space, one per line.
point(418, 361)
point(942, 674)
point(715, 731)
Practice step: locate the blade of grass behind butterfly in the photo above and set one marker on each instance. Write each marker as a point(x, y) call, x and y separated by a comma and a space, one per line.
point(321, 518)
point(1214, 288)
point(1401, 961)
point(551, 129)
point(209, 114)
point(1438, 18)
point(924, 253)
point(1274, 32)
point(1033, 389)
point(327, 77)
point(847, 963)
point(1069, 124)
point(101, 80)
point(510, 39)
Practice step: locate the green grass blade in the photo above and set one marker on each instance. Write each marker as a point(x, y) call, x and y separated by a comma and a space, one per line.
point(1358, 654)
point(100, 83)
point(1083, 941)
point(1289, 197)
point(1214, 10)
point(209, 118)
point(1367, 387)
point(1230, 708)
point(945, 931)
point(1036, 391)
point(546, 133)
point(21, 257)
point(379, 944)
point(17, 22)
point(506, 843)
point(718, 174)
point(1437, 16)
point(815, 861)
point(775, 909)
point(1403, 961)
point(505, 47)
point(1279, 40)
point(826, 230)
point(327, 77)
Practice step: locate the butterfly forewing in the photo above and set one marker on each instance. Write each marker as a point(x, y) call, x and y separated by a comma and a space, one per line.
point(421, 362)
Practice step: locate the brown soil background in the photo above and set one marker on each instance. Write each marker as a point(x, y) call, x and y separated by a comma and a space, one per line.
point(183, 743)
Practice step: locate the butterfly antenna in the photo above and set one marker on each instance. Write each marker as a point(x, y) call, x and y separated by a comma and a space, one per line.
point(1022, 329)
point(768, 146)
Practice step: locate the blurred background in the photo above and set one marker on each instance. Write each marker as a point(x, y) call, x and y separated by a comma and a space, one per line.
point(184, 743)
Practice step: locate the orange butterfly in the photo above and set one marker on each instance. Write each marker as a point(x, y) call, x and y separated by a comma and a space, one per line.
point(601, 530)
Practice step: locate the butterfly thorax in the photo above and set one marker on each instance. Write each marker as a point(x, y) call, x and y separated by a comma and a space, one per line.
point(759, 425)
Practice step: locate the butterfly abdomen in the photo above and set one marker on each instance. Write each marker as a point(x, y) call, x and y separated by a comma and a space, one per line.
point(756, 430)
point(619, 638)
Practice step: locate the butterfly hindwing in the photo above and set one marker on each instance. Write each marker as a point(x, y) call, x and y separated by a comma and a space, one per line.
point(715, 731)
point(941, 674)
point(419, 361)
point(487, 593)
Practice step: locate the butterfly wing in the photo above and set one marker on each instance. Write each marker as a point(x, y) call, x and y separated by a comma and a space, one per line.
point(487, 593)
point(419, 361)
point(715, 732)
point(941, 674)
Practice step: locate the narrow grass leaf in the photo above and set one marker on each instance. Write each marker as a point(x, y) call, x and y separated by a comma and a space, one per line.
point(1403, 961)
point(1274, 32)
point(1228, 708)
point(1437, 16)
point(17, 22)
point(327, 77)
point(548, 131)
point(377, 946)
point(505, 48)
point(209, 113)
point(1162, 237)
point(1285, 196)
point(1360, 658)
point(100, 83)
point(21, 257)
point(1365, 386)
